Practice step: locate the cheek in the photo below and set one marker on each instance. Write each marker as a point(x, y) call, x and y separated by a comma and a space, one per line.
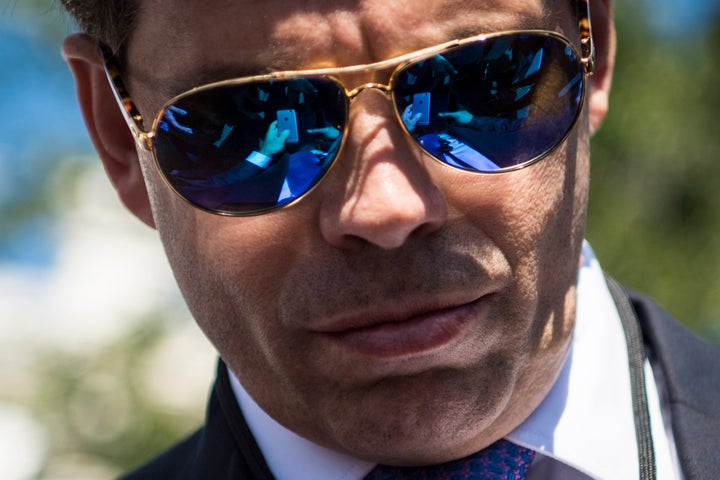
point(535, 217)
point(531, 213)
point(231, 272)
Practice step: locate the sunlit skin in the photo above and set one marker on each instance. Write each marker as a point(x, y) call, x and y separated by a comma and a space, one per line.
point(403, 312)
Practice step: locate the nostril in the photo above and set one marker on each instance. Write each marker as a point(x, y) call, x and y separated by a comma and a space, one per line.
point(385, 210)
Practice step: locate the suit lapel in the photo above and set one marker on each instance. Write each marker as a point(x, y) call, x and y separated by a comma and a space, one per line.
point(235, 421)
point(691, 369)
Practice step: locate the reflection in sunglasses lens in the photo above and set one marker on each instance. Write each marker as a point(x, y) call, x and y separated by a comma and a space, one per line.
point(486, 105)
point(493, 104)
point(252, 147)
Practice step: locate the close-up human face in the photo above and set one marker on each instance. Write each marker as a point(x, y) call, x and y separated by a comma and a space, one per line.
point(402, 311)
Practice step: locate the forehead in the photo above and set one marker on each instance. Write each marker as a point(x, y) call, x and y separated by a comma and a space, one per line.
point(246, 37)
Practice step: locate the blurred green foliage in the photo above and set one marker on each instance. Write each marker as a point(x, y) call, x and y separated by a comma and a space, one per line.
point(95, 404)
point(47, 16)
point(654, 216)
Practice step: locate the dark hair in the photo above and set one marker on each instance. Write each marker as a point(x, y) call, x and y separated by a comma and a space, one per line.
point(107, 21)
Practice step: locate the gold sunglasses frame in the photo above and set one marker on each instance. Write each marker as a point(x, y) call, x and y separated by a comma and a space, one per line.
point(144, 138)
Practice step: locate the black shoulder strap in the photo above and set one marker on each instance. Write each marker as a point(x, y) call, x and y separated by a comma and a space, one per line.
point(636, 358)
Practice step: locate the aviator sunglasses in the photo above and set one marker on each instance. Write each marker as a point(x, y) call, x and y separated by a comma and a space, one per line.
point(487, 104)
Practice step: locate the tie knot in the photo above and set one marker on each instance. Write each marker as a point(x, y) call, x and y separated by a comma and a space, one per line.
point(502, 460)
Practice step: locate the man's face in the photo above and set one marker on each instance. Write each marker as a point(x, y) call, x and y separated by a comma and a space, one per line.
point(403, 311)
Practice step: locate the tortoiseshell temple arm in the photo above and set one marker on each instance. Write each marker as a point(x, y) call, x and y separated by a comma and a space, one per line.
point(587, 48)
point(129, 110)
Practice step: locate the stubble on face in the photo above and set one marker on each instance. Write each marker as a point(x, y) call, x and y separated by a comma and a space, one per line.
point(259, 287)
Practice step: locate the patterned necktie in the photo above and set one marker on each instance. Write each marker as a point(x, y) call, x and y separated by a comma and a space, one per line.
point(500, 461)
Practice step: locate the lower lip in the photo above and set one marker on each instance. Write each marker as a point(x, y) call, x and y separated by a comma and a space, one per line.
point(414, 335)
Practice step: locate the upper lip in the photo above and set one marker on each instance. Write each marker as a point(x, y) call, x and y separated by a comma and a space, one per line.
point(390, 311)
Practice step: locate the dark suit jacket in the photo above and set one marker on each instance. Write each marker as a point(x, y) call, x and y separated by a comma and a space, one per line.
point(225, 449)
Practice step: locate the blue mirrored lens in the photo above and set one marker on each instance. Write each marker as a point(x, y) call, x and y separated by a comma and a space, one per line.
point(249, 148)
point(493, 104)
point(487, 106)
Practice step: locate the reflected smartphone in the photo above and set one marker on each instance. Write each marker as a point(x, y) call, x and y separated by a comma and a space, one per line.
point(421, 104)
point(287, 120)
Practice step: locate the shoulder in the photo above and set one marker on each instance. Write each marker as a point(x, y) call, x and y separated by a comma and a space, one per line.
point(223, 449)
point(202, 455)
point(171, 463)
point(677, 348)
point(691, 370)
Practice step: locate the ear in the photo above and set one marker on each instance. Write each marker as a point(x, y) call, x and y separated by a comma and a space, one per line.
point(603, 30)
point(105, 123)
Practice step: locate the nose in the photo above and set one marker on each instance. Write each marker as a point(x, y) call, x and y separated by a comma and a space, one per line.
point(382, 193)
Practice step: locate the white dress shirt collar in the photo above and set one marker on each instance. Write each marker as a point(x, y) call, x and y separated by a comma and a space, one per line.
point(291, 456)
point(586, 420)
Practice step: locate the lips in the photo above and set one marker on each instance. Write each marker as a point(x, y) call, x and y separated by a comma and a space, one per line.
point(397, 335)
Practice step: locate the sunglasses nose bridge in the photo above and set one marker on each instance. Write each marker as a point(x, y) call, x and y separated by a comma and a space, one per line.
point(384, 89)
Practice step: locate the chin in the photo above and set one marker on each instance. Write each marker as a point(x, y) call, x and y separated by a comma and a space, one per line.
point(420, 421)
